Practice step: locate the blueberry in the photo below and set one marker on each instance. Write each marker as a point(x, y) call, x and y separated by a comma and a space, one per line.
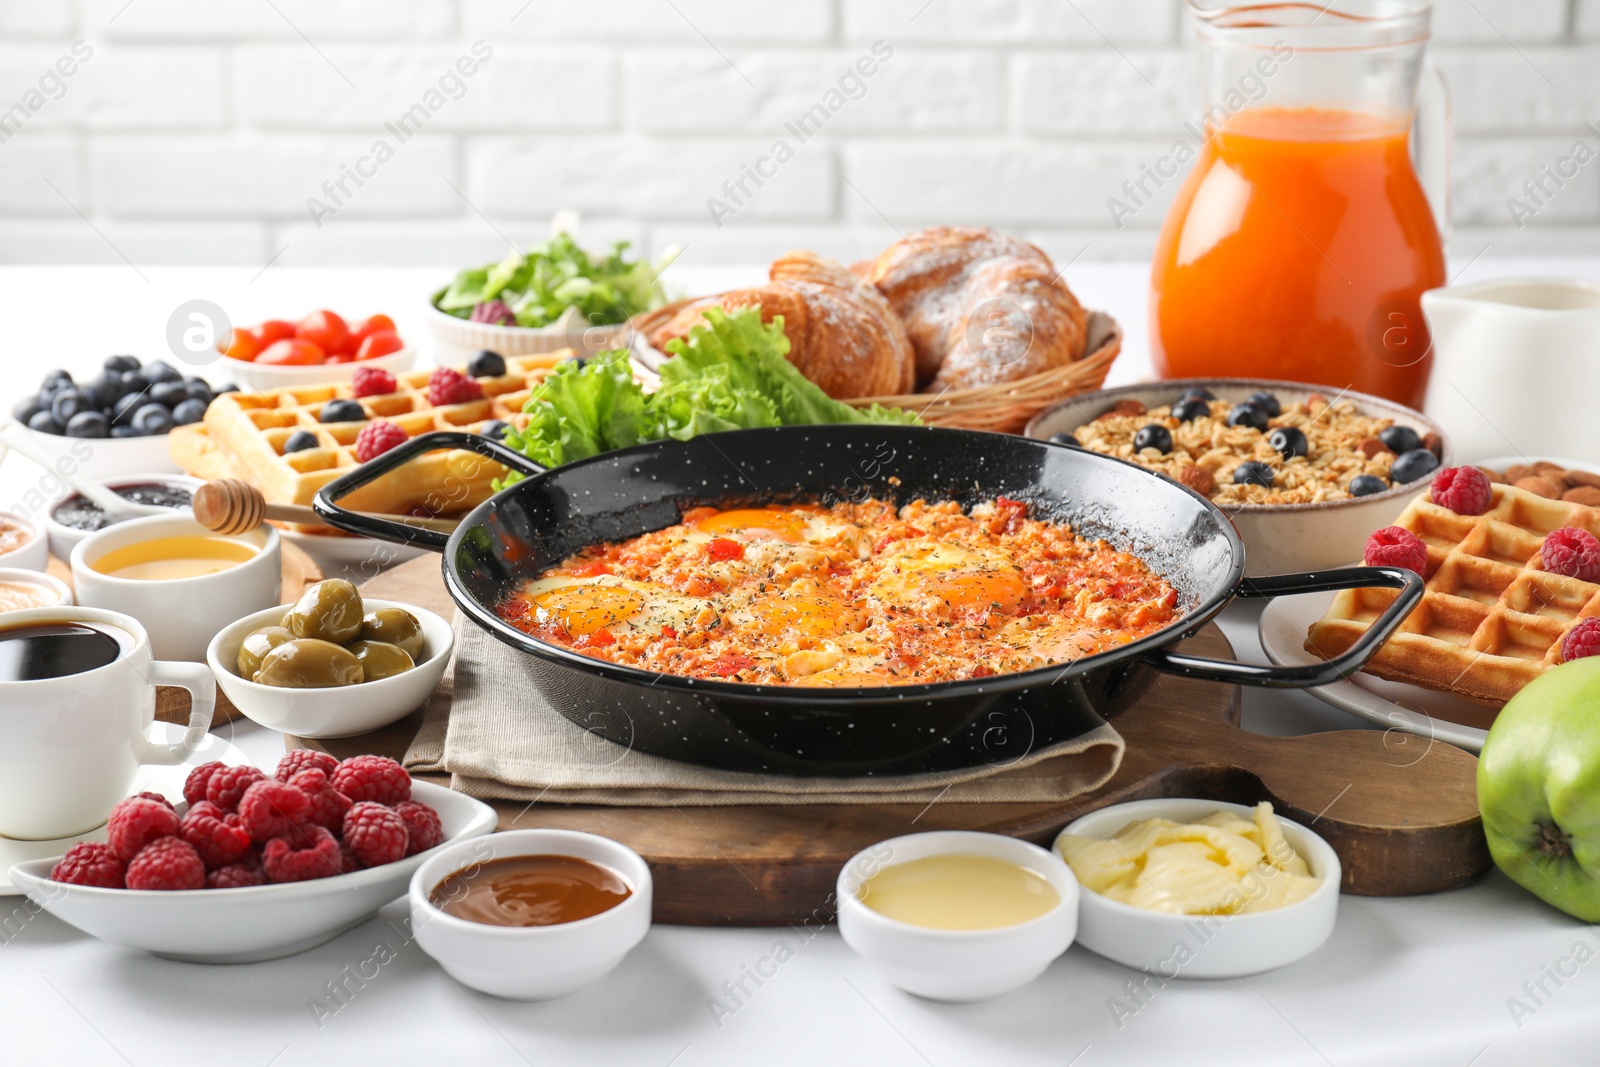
point(1413, 466)
point(122, 411)
point(1190, 408)
point(1194, 392)
point(487, 364)
point(1064, 439)
point(495, 428)
point(1253, 472)
point(1400, 439)
point(1289, 442)
point(134, 381)
point(1266, 402)
point(122, 364)
point(169, 393)
point(68, 403)
point(159, 371)
point(124, 431)
point(580, 362)
point(103, 391)
point(57, 375)
point(342, 411)
point(54, 388)
point(199, 389)
point(44, 422)
point(27, 408)
point(229, 388)
point(1367, 484)
point(191, 410)
point(152, 419)
point(89, 424)
point(1248, 415)
point(299, 441)
point(1154, 436)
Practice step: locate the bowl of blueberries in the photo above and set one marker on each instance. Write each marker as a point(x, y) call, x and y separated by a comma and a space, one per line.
point(1300, 500)
point(117, 422)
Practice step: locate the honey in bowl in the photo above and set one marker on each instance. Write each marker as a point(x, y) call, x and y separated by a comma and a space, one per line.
point(959, 892)
point(542, 890)
point(166, 558)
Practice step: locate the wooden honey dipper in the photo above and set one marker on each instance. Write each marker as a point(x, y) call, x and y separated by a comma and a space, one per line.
point(231, 507)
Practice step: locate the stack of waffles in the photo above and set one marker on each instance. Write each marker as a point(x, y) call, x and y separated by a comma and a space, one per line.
point(244, 433)
point(1492, 618)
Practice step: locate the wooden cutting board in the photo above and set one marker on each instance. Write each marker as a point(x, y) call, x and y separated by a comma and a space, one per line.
point(1401, 812)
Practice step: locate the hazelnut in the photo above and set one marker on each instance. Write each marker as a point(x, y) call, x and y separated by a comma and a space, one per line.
point(1197, 478)
point(1541, 485)
point(1587, 495)
point(1372, 447)
point(1433, 443)
point(1129, 407)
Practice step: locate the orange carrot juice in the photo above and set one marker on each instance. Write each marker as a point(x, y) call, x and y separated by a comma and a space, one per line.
point(1298, 248)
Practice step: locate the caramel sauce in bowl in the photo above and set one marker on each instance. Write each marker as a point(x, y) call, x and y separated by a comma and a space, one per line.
point(531, 914)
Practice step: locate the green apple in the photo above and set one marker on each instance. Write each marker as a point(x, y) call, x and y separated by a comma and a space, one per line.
point(1539, 788)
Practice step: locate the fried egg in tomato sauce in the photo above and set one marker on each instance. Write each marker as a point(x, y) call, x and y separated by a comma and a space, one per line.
point(855, 594)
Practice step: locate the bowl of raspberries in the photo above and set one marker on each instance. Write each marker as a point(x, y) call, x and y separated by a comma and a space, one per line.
point(254, 866)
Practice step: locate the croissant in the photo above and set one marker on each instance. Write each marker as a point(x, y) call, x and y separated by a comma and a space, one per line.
point(979, 306)
point(842, 333)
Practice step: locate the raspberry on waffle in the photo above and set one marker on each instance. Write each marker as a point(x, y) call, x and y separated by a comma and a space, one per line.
point(244, 433)
point(1492, 618)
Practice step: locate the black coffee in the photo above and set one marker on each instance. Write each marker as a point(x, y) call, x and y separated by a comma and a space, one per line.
point(54, 650)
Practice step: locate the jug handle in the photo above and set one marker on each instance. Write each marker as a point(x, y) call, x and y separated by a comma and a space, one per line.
point(1432, 139)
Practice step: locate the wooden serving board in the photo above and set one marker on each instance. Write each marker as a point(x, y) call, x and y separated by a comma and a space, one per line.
point(172, 705)
point(1402, 813)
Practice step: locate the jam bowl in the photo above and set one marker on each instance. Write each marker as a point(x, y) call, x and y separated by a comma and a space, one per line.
point(73, 518)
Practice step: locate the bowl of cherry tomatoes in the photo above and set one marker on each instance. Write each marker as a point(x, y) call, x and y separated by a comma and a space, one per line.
point(322, 347)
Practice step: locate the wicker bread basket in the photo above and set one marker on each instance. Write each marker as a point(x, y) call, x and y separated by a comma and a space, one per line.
point(1005, 407)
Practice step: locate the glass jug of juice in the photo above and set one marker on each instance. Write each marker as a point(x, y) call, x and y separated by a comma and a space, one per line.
point(1299, 245)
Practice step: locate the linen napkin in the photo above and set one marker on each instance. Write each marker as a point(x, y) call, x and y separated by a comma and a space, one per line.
point(498, 739)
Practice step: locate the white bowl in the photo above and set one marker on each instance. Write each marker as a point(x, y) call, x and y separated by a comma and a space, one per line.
point(261, 377)
point(1278, 538)
point(63, 539)
point(956, 965)
point(333, 712)
point(455, 341)
point(182, 614)
point(34, 553)
point(532, 962)
point(1207, 946)
point(254, 923)
point(103, 457)
point(21, 576)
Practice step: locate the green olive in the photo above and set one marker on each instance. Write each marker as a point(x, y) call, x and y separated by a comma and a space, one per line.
point(328, 611)
point(308, 663)
point(394, 626)
point(257, 645)
point(379, 659)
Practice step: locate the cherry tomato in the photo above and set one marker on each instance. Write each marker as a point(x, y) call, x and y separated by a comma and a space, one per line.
point(341, 357)
point(381, 343)
point(367, 327)
point(725, 548)
point(292, 353)
point(274, 330)
point(325, 330)
point(242, 345)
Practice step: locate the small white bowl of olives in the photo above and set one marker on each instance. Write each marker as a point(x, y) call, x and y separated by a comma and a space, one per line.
point(331, 664)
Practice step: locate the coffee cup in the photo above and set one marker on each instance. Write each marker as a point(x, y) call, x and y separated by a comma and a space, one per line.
point(77, 702)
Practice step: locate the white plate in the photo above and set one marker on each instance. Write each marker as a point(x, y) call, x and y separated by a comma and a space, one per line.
point(362, 556)
point(1409, 708)
point(166, 780)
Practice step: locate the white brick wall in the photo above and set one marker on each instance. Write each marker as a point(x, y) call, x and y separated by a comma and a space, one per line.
point(198, 129)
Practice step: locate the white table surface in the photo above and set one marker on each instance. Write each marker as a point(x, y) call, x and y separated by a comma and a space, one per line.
point(1411, 982)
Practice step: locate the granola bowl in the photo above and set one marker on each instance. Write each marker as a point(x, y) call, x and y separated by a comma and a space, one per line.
point(1307, 519)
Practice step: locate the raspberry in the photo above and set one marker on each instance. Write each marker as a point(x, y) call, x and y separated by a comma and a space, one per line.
point(1464, 490)
point(236, 876)
point(136, 822)
point(299, 759)
point(272, 809)
point(447, 386)
point(311, 853)
point(422, 826)
point(328, 805)
point(228, 784)
point(377, 437)
point(157, 797)
point(1582, 640)
point(1395, 546)
point(376, 834)
point(219, 839)
point(1572, 552)
point(167, 863)
point(377, 778)
point(372, 381)
point(349, 862)
point(90, 863)
point(194, 786)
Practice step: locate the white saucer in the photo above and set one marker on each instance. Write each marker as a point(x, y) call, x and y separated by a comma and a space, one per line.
point(1409, 708)
point(166, 780)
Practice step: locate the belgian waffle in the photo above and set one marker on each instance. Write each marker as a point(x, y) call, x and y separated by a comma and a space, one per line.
point(244, 433)
point(1492, 618)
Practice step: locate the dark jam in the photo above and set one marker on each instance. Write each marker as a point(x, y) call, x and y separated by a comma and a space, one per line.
point(530, 891)
point(80, 513)
point(54, 650)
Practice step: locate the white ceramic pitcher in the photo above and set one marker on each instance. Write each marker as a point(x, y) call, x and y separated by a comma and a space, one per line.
point(1517, 367)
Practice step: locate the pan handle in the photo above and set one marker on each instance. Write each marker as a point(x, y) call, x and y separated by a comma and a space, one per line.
point(1305, 677)
point(326, 502)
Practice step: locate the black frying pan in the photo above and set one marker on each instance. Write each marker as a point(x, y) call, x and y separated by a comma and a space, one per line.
point(541, 520)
